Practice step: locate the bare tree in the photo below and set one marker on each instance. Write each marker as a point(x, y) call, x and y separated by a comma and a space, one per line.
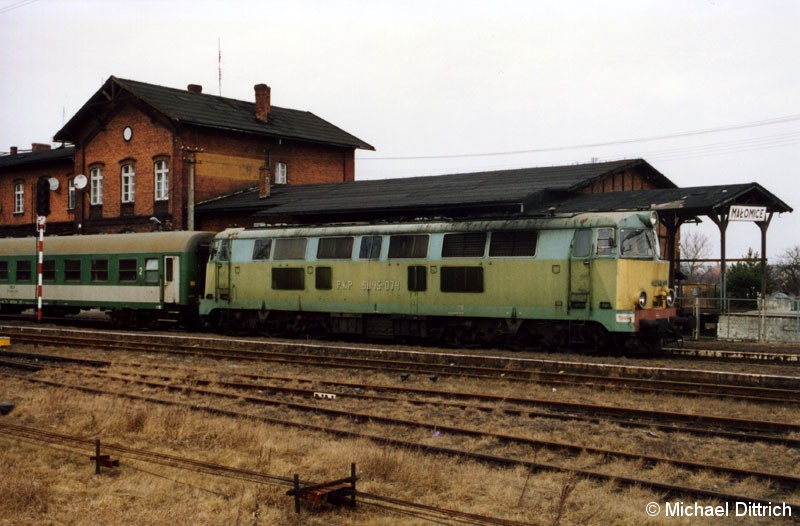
point(694, 245)
point(787, 271)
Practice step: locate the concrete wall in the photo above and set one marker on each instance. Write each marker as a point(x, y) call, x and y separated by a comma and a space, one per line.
point(780, 327)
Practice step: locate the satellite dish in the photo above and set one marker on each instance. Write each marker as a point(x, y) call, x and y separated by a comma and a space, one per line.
point(79, 182)
point(53, 184)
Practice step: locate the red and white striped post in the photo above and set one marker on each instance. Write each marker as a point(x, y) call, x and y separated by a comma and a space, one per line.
point(40, 226)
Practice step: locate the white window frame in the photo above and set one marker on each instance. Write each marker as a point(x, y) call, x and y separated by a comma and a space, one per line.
point(71, 193)
point(128, 183)
point(161, 176)
point(280, 173)
point(96, 186)
point(19, 198)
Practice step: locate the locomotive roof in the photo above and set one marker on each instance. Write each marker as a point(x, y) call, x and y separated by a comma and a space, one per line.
point(619, 219)
point(143, 243)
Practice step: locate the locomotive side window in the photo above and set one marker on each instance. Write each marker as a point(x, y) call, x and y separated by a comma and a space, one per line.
point(408, 246)
point(72, 270)
point(417, 278)
point(3, 270)
point(370, 247)
point(605, 241)
point(462, 279)
point(516, 243)
point(261, 249)
point(464, 245)
point(324, 278)
point(335, 248)
point(582, 244)
point(127, 270)
point(99, 270)
point(151, 271)
point(636, 243)
point(24, 272)
point(288, 279)
point(290, 248)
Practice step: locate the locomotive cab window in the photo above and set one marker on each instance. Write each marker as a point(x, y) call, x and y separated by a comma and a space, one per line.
point(471, 245)
point(290, 248)
point(408, 246)
point(637, 243)
point(370, 247)
point(335, 248)
point(515, 243)
point(261, 249)
point(221, 250)
point(582, 244)
point(605, 241)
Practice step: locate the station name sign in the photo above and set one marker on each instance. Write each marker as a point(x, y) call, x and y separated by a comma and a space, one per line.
point(747, 213)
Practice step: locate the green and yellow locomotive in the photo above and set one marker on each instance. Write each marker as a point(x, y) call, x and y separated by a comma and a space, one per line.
point(594, 280)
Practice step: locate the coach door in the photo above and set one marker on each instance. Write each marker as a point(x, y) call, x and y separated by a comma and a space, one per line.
point(580, 269)
point(172, 272)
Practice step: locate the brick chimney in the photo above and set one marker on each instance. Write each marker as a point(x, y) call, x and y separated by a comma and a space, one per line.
point(262, 102)
point(13, 150)
point(263, 182)
point(195, 88)
point(39, 147)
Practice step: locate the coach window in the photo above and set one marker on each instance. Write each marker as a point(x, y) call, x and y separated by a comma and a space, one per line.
point(514, 243)
point(408, 246)
point(335, 248)
point(151, 270)
point(605, 241)
point(24, 270)
point(290, 248)
point(417, 278)
point(4, 271)
point(72, 270)
point(99, 270)
point(261, 249)
point(49, 270)
point(464, 245)
point(127, 270)
point(370, 247)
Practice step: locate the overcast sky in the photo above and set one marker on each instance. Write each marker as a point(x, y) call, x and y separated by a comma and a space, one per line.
point(705, 91)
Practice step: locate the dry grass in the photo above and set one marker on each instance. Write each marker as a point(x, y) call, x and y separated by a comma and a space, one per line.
point(56, 486)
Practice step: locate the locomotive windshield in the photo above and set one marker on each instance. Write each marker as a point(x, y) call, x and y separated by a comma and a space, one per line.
point(637, 243)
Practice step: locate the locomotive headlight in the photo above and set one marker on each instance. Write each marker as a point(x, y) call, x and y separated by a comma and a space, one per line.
point(642, 300)
point(670, 298)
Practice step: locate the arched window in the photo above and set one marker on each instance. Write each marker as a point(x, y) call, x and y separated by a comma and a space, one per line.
point(161, 175)
point(128, 183)
point(96, 186)
point(19, 197)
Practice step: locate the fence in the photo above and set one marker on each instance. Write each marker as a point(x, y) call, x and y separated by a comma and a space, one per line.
point(775, 320)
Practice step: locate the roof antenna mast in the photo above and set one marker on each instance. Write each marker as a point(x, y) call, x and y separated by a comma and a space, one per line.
point(219, 64)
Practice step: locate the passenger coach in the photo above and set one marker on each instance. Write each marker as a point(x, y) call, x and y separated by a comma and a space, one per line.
point(592, 279)
point(138, 279)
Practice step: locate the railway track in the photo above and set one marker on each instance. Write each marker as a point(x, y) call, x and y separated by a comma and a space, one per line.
point(784, 482)
point(736, 386)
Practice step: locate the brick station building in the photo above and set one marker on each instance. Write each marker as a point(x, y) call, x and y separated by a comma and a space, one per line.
point(148, 154)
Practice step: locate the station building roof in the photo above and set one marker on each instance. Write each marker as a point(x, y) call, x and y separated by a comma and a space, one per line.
point(504, 192)
point(25, 159)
